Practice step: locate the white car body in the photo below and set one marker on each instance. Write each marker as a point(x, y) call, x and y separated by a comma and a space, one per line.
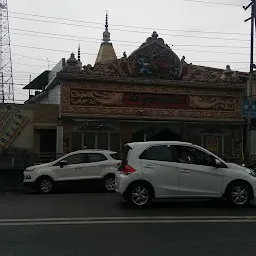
point(180, 180)
point(74, 172)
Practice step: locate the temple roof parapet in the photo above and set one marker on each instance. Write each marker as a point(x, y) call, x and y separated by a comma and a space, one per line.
point(154, 60)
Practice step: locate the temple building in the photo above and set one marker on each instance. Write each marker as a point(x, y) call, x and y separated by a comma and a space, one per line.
point(152, 94)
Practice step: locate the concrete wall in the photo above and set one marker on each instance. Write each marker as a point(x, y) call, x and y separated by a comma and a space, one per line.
point(59, 66)
point(41, 117)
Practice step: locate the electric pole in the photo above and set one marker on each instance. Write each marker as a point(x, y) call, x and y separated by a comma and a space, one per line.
point(249, 117)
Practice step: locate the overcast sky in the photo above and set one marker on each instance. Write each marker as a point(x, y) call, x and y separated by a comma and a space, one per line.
point(206, 34)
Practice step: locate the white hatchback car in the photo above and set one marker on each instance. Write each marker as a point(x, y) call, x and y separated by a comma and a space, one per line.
point(73, 167)
point(158, 170)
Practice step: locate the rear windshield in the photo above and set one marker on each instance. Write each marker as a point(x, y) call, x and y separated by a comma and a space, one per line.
point(115, 156)
point(125, 157)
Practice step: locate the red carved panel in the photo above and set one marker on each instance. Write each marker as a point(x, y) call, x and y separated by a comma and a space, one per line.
point(150, 100)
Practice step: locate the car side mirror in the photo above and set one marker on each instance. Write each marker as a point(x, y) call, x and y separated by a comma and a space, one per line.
point(217, 163)
point(62, 163)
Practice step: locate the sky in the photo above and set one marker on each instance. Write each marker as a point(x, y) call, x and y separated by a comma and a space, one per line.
point(207, 32)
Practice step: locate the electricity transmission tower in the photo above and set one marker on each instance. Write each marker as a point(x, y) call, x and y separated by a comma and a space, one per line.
point(6, 78)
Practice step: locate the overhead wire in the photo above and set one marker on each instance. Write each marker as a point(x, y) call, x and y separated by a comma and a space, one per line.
point(127, 26)
point(125, 30)
point(98, 40)
point(88, 53)
point(215, 3)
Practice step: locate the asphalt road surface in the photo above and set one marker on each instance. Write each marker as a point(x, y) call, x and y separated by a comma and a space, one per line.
point(102, 224)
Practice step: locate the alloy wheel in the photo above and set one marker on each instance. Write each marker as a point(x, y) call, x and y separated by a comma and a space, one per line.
point(140, 195)
point(110, 184)
point(46, 186)
point(239, 195)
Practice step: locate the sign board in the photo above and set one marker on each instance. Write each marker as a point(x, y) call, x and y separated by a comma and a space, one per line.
point(11, 124)
point(246, 106)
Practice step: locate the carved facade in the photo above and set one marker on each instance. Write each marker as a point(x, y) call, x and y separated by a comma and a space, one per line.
point(153, 84)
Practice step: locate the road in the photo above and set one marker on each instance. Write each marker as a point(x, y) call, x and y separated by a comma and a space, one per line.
point(97, 224)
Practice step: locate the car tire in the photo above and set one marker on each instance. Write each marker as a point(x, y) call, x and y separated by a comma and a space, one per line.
point(45, 185)
point(108, 183)
point(140, 194)
point(238, 194)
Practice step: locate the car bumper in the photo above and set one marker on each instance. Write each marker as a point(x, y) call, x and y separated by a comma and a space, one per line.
point(122, 182)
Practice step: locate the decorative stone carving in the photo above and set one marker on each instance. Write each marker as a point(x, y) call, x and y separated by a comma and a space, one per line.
point(154, 114)
point(169, 89)
point(153, 60)
point(230, 76)
point(201, 107)
point(80, 97)
point(217, 103)
point(72, 65)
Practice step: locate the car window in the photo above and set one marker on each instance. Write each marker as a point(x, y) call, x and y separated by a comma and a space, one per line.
point(115, 156)
point(157, 153)
point(75, 159)
point(190, 155)
point(95, 157)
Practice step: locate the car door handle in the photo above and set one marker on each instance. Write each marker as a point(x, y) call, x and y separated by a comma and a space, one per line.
point(78, 168)
point(184, 171)
point(147, 166)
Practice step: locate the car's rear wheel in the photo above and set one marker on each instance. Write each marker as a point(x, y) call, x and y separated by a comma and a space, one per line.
point(239, 193)
point(140, 194)
point(45, 185)
point(109, 183)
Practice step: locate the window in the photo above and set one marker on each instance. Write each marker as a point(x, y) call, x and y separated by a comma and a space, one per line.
point(190, 155)
point(157, 153)
point(95, 157)
point(115, 156)
point(75, 159)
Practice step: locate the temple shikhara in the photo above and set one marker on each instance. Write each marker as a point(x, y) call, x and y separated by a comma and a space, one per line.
point(151, 94)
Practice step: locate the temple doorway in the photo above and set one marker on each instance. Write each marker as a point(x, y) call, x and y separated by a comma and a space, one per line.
point(164, 135)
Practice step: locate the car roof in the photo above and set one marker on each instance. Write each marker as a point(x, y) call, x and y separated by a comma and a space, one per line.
point(95, 151)
point(149, 143)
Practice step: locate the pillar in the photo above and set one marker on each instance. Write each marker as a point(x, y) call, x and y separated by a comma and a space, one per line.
point(125, 133)
point(66, 139)
point(59, 140)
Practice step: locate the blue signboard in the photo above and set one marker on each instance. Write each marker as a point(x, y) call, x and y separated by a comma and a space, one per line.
point(245, 108)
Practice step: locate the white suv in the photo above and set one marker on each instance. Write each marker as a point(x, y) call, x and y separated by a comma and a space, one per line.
point(76, 166)
point(152, 170)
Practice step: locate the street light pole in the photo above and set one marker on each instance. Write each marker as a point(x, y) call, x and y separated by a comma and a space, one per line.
point(250, 88)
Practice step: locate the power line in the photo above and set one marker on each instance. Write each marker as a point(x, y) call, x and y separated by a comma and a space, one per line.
point(22, 71)
point(132, 31)
point(33, 58)
point(125, 26)
point(88, 53)
point(217, 3)
point(30, 65)
point(72, 39)
point(134, 45)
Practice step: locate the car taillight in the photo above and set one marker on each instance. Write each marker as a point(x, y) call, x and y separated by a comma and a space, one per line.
point(128, 170)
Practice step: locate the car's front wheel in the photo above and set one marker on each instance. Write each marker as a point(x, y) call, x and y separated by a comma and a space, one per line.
point(140, 194)
point(45, 185)
point(239, 193)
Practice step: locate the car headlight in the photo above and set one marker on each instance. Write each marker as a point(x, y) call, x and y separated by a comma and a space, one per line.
point(29, 170)
point(251, 172)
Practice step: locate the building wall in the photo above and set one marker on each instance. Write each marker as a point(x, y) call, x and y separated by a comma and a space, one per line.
point(40, 117)
point(55, 70)
point(52, 97)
